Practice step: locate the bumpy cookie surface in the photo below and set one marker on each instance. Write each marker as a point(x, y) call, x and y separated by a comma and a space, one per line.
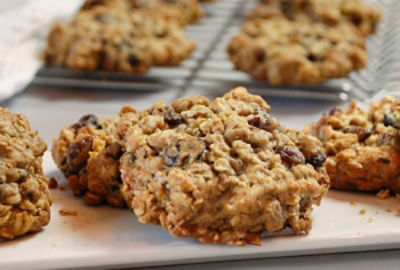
point(180, 11)
point(24, 194)
point(288, 52)
point(363, 148)
point(363, 16)
point(221, 172)
point(110, 39)
point(88, 154)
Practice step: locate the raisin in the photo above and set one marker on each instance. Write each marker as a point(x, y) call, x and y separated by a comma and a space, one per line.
point(291, 155)
point(114, 150)
point(260, 54)
point(92, 3)
point(172, 118)
point(387, 139)
point(114, 188)
point(390, 120)
point(384, 160)
point(356, 19)
point(133, 61)
point(312, 57)
point(78, 153)
point(131, 157)
point(172, 155)
point(361, 132)
point(334, 110)
point(171, 161)
point(87, 120)
point(161, 34)
point(317, 160)
point(53, 183)
point(262, 120)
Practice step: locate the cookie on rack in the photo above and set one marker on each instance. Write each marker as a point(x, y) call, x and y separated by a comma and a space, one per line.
point(281, 51)
point(114, 40)
point(363, 16)
point(88, 155)
point(220, 172)
point(363, 148)
point(24, 194)
point(180, 11)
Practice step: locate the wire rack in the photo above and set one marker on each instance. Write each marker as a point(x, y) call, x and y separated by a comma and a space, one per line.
point(209, 67)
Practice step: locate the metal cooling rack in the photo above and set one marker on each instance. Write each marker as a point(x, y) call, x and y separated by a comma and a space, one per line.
point(210, 68)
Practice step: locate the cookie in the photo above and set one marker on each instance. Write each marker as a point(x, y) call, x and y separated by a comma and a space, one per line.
point(88, 155)
point(363, 148)
point(181, 11)
point(114, 40)
point(24, 194)
point(220, 172)
point(363, 16)
point(281, 51)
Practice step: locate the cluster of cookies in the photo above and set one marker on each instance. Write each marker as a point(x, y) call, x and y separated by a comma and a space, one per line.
point(303, 41)
point(124, 35)
point(220, 172)
point(363, 148)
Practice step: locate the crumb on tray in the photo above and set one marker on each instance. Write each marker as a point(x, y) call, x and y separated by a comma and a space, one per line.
point(67, 212)
point(383, 193)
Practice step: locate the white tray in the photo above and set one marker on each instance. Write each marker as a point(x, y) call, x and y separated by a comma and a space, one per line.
point(104, 237)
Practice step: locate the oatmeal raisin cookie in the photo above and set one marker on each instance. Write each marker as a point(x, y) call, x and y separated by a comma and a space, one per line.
point(88, 154)
point(180, 11)
point(114, 40)
point(221, 172)
point(24, 194)
point(287, 52)
point(363, 148)
point(363, 16)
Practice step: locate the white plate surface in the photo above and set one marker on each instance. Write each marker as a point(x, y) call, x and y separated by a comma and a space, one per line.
point(104, 237)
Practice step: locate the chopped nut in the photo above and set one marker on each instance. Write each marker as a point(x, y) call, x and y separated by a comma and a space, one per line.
point(383, 194)
point(362, 212)
point(353, 203)
point(67, 212)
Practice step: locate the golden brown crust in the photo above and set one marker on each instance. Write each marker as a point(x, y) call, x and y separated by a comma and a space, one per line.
point(221, 172)
point(24, 194)
point(363, 148)
point(288, 52)
point(88, 154)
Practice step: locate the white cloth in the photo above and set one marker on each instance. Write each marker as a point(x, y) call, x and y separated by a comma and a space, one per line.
point(24, 27)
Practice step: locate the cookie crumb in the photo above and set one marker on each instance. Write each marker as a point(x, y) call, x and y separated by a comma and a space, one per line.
point(398, 210)
point(362, 212)
point(67, 212)
point(388, 210)
point(53, 183)
point(383, 194)
point(370, 220)
point(353, 203)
